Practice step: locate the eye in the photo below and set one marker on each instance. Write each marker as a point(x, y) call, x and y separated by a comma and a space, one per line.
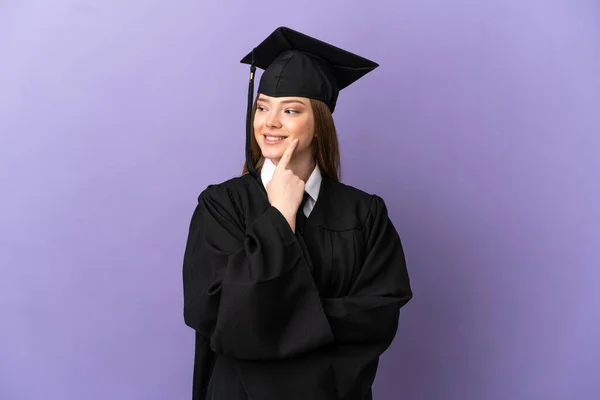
point(292, 111)
point(260, 108)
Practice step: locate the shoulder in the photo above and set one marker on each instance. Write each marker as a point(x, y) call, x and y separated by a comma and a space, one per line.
point(364, 205)
point(355, 195)
point(229, 190)
point(229, 196)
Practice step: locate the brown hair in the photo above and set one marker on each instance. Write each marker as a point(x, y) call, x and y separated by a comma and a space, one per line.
point(325, 142)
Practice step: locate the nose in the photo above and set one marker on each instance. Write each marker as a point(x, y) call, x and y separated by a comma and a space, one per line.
point(272, 120)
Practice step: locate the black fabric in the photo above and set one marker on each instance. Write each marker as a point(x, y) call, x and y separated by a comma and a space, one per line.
point(300, 216)
point(291, 316)
point(204, 362)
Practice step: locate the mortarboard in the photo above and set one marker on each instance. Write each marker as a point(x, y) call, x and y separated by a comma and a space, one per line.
point(295, 64)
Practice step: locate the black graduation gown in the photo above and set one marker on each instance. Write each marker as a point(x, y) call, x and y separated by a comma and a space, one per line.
point(280, 315)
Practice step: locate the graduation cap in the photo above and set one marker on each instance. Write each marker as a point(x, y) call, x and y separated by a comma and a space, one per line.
point(295, 64)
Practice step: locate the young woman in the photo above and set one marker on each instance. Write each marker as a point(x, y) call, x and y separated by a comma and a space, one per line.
point(293, 281)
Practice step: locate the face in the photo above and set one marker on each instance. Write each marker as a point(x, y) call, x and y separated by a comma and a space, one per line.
point(280, 120)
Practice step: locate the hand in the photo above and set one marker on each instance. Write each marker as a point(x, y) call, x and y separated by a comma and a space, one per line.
point(285, 190)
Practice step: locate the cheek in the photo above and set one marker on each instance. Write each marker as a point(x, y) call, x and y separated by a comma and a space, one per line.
point(303, 129)
point(257, 124)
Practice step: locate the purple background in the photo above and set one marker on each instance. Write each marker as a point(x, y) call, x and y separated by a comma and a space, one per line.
point(481, 129)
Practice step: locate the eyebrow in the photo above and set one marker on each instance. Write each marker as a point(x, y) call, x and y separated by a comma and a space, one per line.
point(283, 102)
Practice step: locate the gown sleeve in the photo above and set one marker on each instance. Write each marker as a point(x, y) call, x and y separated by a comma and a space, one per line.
point(365, 321)
point(249, 290)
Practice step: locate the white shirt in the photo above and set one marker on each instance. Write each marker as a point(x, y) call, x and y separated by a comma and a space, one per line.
point(312, 185)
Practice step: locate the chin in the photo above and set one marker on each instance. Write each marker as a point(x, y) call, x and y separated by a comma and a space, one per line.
point(273, 155)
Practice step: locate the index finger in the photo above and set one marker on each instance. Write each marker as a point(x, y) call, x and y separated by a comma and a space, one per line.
point(287, 155)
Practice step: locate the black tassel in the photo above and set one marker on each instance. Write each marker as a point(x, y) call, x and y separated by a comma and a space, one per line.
point(249, 163)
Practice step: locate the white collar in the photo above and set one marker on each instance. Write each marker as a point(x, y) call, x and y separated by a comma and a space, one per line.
point(312, 186)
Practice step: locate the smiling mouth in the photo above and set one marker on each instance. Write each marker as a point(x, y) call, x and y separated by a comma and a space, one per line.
point(274, 139)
